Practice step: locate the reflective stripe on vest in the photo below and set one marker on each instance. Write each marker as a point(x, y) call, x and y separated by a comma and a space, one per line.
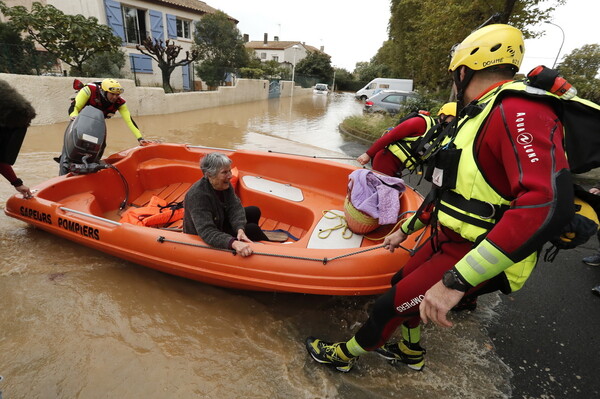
point(402, 148)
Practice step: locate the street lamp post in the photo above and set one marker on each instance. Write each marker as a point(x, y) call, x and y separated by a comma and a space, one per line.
point(333, 82)
point(561, 43)
point(295, 48)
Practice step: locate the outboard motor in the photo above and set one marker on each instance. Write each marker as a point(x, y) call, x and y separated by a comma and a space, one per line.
point(84, 142)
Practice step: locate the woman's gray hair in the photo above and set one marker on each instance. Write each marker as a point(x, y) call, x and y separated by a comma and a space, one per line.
point(212, 163)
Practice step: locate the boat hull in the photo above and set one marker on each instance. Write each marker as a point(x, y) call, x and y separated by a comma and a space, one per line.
point(84, 209)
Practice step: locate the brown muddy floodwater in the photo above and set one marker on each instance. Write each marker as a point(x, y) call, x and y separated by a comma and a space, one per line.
point(76, 323)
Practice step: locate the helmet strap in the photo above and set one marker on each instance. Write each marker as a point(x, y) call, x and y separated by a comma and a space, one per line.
point(461, 86)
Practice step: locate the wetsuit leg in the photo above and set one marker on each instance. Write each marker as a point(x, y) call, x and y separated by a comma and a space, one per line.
point(401, 302)
point(386, 162)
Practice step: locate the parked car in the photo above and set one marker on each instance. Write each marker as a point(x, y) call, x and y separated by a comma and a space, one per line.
point(321, 88)
point(389, 101)
point(379, 84)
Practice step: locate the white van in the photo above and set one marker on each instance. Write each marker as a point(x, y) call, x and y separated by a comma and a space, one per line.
point(378, 84)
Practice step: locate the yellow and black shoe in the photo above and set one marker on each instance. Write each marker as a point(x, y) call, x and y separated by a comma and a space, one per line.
point(413, 357)
point(328, 353)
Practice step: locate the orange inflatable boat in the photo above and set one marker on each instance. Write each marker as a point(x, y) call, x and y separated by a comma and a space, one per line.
point(302, 196)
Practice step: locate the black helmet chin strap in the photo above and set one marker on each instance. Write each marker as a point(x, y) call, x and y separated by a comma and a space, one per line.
point(461, 86)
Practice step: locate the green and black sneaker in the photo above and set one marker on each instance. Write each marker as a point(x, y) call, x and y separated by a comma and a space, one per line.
point(413, 357)
point(325, 352)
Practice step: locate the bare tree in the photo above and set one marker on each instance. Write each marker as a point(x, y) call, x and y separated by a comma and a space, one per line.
point(165, 54)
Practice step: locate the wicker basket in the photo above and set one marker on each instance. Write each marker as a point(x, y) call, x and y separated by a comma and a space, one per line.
point(358, 221)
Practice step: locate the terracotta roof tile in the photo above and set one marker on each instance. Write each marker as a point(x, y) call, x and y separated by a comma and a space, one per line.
point(271, 45)
point(279, 45)
point(195, 5)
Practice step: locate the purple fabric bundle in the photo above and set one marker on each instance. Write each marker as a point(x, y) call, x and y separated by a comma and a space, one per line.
point(376, 194)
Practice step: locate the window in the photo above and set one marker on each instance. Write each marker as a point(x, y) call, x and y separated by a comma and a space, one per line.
point(263, 56)
point(183, 28)
point(384, 86)
point(276, 58)
point(140, 63)
point(394, 98)
point(135, 25)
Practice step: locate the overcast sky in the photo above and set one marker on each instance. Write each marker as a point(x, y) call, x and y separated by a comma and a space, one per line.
point(353, 32)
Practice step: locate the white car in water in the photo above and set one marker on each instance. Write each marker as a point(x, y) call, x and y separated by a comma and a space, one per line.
point(321, 88)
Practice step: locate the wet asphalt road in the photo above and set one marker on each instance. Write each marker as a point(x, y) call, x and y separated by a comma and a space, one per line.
point(548, 333)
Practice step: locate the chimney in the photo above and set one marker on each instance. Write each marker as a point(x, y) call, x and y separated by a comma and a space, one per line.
point(322, 49)
point(276, 38)
point(266, 38)
point(246, 38)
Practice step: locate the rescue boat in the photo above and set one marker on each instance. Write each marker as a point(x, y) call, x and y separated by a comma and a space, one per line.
point(301, 196)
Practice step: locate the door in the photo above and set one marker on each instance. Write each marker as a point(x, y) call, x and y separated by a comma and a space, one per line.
point(185, 70)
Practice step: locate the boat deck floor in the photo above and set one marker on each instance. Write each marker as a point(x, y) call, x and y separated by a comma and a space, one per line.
point(176, 192)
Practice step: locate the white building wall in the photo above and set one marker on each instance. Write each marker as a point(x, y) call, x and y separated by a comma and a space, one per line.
point(300, 54)
point(95, 8)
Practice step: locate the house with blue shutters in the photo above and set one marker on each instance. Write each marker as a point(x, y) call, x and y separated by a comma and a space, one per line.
point(133, 21)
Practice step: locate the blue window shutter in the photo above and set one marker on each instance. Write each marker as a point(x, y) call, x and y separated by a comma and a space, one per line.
point(114, 18)
point(171, 26)
point(156, 25)
point(185, 69)
point(140, 63)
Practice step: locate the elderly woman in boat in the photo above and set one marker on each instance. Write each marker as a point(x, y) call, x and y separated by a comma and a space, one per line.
point(215, 213)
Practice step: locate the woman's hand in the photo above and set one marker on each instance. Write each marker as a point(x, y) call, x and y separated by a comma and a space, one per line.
point(241, 236)
point(242, 248)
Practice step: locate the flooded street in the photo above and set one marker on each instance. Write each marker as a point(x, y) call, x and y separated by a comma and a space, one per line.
point(76, 323)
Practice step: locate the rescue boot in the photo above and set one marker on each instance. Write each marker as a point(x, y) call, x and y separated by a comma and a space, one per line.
point(407, 351)
point(330, 353)
point(410, 354)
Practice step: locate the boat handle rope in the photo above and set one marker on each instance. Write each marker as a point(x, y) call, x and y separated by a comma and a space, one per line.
point(325, 260)
point(311, 156)
point(209, 148)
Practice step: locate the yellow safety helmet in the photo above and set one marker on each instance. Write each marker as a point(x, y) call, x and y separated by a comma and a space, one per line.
point(492, 45)
point(581, 228)
point(112, 86)
point(448, 109)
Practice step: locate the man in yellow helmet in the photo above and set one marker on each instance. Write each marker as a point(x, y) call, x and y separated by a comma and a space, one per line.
point(395, 150)
point(501, 188)
point(105, 96)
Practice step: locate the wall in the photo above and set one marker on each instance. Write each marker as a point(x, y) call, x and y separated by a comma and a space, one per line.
point(50, 96)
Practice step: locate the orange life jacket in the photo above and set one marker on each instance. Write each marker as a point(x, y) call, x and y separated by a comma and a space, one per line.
point(157, 213)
